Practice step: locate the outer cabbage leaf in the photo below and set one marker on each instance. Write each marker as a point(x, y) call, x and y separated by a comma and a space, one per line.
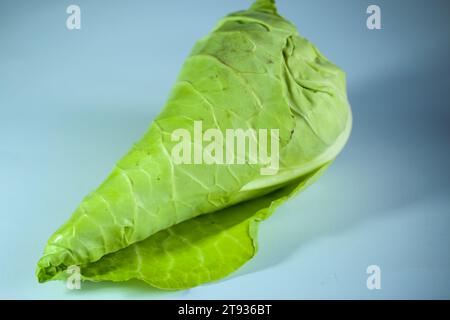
point(196, 251)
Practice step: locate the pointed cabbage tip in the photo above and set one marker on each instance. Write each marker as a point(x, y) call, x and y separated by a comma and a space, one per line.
point(45, 271)
point(264, 6)
point(49, 267)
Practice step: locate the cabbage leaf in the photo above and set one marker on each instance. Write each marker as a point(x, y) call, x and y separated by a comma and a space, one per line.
point(176, 226)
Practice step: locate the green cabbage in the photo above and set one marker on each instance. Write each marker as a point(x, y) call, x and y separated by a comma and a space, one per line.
point(176, 226)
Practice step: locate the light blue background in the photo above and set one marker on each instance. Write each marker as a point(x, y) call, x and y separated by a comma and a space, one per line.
point(72, 103)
